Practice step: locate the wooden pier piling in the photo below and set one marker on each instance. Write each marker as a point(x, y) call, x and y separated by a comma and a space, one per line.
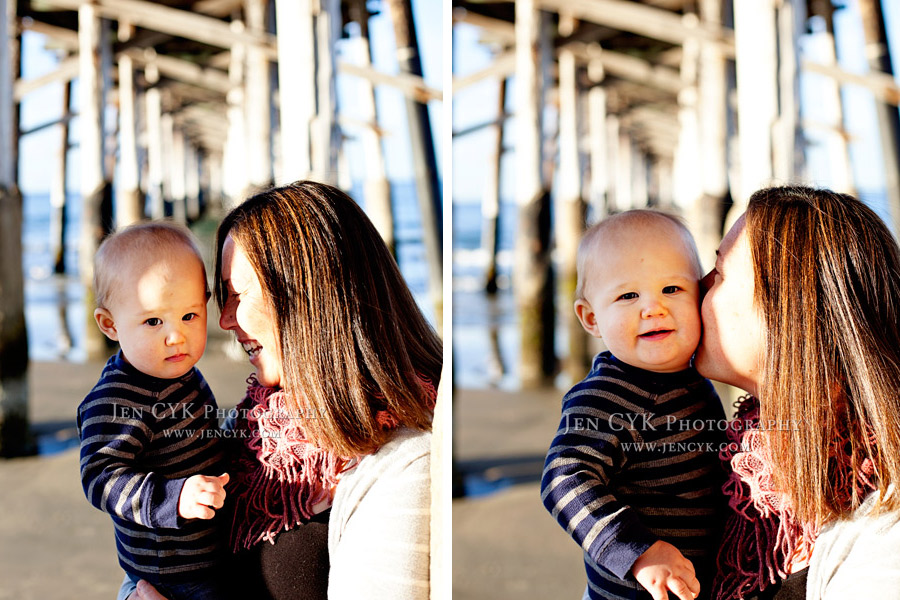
point(888, 117)
point(570, 205)
point(58, 200)
point(14, 435)
point(533, 271)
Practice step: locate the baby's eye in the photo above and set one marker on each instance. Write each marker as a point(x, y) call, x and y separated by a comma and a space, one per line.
point(671, 289)
point(153, 322)
point(189, 317)
point(628, 296)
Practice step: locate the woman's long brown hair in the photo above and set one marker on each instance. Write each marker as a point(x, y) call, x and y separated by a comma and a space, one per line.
point(827, 280)
point(353, 341)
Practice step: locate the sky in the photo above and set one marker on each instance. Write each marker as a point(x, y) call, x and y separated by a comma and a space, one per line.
point(478, 104)
point(45, 105)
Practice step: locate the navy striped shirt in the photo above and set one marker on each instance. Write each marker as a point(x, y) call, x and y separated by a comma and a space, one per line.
point(141, 438)
point(635, 460)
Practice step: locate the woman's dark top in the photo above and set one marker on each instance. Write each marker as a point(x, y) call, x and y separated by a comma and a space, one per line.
point(294, 568)
point(792, 588)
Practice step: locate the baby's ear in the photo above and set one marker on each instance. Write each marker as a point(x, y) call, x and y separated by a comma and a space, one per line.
point(587, 317)
point(106, 323)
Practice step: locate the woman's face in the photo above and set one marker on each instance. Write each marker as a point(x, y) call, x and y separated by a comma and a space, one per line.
point(248, 314)
point(733, 342)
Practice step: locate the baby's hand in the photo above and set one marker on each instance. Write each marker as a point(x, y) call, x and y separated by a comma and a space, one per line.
point(663, 567)
point(201, 495)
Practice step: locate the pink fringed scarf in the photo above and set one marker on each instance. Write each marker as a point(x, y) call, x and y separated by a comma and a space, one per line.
point(279, 478)
point(762, 538)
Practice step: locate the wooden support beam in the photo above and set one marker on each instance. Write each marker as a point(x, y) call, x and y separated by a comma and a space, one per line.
point(173, 68)
point(479, 126)
point(58, 188)
point(91, 100)
point(627, 67)
point(153, 118)
point(14, 430)
point(61, 35)
point(787, 147)
point(712, 89)
point(186, 24)
point(7, 107)
point(879, 59)
point(219, 61)
point(532, 274)
point(177, 174)
point(641, 19)
point(258, 101)
point(503, 66)
point(234, 175)
point(687, 176)
point(504, 30)
point(884, 87)
point(412, 86)
point(425, 168)
point(93, 179)
point(617, 64)
point(182, 70)
point(67, 70)
point(325, 135)
point(181, 94)
point(597, 144)
point(569, 205)
point(490, 201)
point(217, 8)
point(296, 74)
point(833, 137)
point(648, 117)
point(192, 182)
point(204, 116)
point(757, 80)
point(129, 200)
point(376, 188)
point(623, 176)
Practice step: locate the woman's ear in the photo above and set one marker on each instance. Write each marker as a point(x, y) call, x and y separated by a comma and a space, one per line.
point(587, 317)
point(106, 323)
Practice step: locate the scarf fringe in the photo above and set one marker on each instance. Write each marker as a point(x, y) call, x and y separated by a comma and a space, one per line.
point(762, 536)
point(279, 477)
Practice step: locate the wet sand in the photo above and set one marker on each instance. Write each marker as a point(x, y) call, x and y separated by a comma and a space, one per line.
point(505, 545)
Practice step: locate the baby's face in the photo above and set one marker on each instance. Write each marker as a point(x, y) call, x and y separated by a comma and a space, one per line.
point(160, 316)
point(643, 290)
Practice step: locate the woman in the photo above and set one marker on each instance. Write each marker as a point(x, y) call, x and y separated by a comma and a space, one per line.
point(342, 350)
point(802, 313)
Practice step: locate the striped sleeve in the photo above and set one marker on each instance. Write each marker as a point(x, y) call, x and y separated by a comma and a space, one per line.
point(379, 530)
point(115, 425)
point(585, 455)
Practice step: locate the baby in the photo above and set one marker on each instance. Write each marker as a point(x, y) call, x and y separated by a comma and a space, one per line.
point(150, 454)
point(633, 472)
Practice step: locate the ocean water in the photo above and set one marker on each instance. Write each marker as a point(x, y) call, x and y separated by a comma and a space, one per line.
point(56, 316)
point(485, 328)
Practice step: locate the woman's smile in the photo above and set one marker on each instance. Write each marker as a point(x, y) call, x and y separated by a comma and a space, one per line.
point(248, 314)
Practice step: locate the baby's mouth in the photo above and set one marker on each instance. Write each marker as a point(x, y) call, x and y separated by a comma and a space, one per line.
point(251, 348)
point(656, 333)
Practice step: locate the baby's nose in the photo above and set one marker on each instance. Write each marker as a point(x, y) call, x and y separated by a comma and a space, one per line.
point(653, 308)
point(175, 336)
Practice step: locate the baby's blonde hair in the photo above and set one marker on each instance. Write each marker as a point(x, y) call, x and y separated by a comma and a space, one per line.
point(633, 219)
point(129, 247)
